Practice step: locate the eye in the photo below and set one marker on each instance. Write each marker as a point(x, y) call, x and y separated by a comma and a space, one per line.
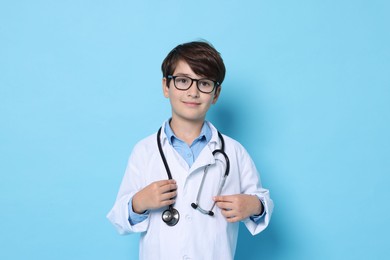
point(206, 83)
point(182, 80)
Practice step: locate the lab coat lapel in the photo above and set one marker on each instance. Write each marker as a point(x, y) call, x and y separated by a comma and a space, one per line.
point(206, 155)
point(205, 158)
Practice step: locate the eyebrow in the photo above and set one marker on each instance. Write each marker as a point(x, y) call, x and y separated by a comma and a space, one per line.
point(183, 74)
point(190, 76)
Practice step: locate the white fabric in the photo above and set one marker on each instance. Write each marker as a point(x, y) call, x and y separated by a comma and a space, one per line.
point(196, 236)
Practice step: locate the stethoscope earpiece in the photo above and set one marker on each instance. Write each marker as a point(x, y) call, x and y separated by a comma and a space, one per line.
point(206, 212)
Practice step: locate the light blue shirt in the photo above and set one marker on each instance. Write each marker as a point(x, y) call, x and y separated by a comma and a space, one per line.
point(189, 154)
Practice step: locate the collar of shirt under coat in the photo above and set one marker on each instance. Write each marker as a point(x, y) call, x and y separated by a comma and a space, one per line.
point(205, 132)
point(189, 152)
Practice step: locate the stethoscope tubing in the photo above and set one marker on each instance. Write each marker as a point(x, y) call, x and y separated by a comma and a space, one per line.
point(171, 216)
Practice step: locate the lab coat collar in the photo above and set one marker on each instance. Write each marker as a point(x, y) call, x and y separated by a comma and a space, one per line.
point(215, 141)
point(163, 137)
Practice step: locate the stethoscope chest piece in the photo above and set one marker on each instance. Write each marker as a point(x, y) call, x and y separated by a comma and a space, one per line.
point(171, 216)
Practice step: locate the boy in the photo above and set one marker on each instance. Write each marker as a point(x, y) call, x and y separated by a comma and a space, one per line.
point(186, 188)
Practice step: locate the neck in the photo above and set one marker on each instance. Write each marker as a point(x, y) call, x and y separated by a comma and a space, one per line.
point(186, 131)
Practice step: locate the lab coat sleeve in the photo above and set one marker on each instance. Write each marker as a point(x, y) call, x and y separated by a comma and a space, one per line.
point(251, 184)
point(132, 182)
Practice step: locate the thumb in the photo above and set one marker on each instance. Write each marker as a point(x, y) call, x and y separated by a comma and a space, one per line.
point(218, 198)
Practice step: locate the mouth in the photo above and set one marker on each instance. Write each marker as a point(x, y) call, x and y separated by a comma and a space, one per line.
point(189, 103)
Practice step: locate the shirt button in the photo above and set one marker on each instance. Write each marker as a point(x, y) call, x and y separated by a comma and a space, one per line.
point(189, 155)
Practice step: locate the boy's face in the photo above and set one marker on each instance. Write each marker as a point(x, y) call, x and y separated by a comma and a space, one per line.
point(188, 105)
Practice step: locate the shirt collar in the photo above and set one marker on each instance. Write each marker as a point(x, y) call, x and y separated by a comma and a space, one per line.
point(205, 132)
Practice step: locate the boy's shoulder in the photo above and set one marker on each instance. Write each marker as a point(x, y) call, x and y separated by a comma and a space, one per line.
point(230, 142)
point(147, 142)
point(233, 143)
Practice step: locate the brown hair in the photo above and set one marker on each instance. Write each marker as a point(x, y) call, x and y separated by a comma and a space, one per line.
point(201, 56)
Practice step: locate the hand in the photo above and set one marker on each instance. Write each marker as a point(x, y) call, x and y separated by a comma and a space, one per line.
point(156, 195)
point(238, 207)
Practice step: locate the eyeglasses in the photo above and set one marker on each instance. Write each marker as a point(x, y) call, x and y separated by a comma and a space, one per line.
point(184, 83)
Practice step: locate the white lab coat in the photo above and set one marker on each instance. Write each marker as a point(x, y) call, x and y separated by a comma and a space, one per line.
point(196, 236)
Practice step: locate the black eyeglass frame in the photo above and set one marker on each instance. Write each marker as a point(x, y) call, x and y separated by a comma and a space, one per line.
point(216, 83)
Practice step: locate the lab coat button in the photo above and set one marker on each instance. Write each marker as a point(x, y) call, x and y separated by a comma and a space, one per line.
point(186, 257)
point(188, 218)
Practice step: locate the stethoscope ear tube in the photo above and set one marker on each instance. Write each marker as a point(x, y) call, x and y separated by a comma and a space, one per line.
point(226, 159)
point(162, 155)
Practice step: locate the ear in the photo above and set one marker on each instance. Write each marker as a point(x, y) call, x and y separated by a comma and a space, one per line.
point(216, 94)
point(165, 87)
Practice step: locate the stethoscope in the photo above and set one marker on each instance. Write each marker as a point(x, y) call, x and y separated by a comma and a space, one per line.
point(171, 216)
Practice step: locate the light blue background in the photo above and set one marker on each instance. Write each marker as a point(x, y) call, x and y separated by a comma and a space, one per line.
point(307, 93)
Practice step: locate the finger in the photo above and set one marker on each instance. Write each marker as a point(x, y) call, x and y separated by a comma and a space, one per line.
point(168, 188)
point(233, 219)
point(224, 205)
point(167, 202)
point(218, 198)
point(228, 214)
point(168, 195)
point(165, 182)
point(222, 198)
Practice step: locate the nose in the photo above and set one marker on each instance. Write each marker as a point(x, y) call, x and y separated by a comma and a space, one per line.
point(193, 90)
